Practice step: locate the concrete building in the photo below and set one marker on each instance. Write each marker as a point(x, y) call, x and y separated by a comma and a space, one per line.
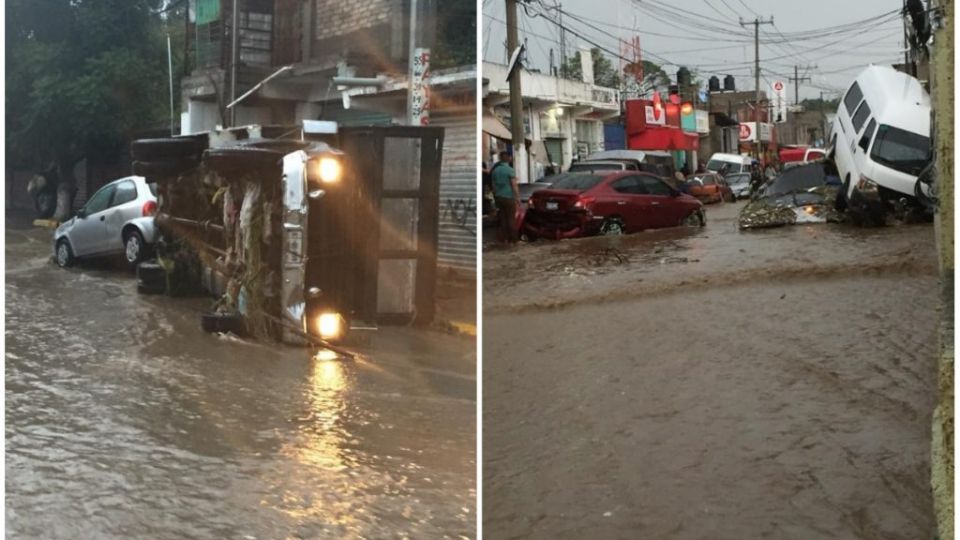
point(299, 46)
point(563, 119)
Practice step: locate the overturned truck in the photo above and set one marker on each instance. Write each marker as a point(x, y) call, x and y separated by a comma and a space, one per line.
point(299, 232)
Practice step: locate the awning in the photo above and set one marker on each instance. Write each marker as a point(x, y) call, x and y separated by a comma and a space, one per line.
point(493, 126)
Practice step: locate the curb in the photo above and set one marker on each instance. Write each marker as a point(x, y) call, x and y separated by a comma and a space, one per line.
point(46, 223)
point(457, 328)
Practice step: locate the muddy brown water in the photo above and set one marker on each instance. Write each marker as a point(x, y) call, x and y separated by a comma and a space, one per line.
point(125, 420)
point(710, 383)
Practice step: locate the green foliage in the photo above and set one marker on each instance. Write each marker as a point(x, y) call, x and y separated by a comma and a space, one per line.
point(82, 77)
point(605, 73)
point(456, 43)
point(816, 104)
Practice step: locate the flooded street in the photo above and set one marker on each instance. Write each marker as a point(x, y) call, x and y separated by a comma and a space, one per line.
point(708, 383)
point(125, 420)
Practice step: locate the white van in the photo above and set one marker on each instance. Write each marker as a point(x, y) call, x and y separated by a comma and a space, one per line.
point(735, 163)
point(881, 139)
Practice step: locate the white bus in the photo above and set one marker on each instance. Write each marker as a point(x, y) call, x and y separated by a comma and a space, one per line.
point(880, 140)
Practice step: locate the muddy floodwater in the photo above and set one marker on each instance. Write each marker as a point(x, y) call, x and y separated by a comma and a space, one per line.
point(711, 383)
point(125, 420)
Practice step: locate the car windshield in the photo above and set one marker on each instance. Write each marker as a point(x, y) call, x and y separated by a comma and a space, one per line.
point(575, 181)
point(153, 188)
point(739, 179)
point(579, 167)
point(901, 150)
point(799, 178)
point(717, 164)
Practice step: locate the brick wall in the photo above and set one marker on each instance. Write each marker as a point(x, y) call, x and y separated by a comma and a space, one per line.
point(342, 17)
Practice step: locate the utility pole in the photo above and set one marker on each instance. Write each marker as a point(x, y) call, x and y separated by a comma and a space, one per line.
point(756, 74)
point(906, 46)
point(516, 98)
point(235, 39)
point(563, 38)
point(797, 79)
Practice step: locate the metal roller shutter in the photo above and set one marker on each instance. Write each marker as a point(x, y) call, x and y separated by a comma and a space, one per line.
point(458, 189)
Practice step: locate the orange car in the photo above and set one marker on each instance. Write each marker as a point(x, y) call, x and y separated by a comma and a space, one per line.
point(709, 187)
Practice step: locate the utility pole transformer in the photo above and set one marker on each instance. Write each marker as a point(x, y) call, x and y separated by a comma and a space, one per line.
point(516, 98)
point(758, 149)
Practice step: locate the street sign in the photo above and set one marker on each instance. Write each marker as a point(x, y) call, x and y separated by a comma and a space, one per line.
point(419, 89)
point(778, 112)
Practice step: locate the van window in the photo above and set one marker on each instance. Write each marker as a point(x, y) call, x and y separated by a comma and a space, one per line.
point(868, 133)
point(861, 116)
point(853, 97)
point(901, 150)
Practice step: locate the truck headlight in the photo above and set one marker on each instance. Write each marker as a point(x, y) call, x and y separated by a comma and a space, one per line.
point(330, 325)
point(329, 170)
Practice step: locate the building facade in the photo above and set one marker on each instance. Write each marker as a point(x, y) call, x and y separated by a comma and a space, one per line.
point(563, 119)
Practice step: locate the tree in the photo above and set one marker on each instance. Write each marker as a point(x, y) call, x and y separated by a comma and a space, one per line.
point(604, 72)
point(82, 77)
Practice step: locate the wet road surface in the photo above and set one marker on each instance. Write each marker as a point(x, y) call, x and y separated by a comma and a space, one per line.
point(710, 383)
point(123, 420)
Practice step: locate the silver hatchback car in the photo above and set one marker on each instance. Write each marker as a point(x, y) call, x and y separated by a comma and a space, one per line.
point(118, 218)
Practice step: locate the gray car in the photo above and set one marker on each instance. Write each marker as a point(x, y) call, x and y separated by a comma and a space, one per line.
point(739, 184)
point(118, 218)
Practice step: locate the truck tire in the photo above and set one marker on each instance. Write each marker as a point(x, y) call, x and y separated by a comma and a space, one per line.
point(45, 202)
point(222, 322)
point(165, 149)
point(240, 160)
point(152, 276)
point(157, 171)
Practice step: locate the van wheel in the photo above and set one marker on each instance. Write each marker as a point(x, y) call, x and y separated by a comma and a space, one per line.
point(841, 203)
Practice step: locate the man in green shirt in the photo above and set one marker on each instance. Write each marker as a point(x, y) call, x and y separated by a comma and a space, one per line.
point(507, 196)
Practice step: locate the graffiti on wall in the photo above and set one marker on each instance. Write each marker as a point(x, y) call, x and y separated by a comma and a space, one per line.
point(462, 213)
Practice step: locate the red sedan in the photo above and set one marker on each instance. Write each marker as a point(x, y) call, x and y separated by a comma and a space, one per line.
point(584, 204)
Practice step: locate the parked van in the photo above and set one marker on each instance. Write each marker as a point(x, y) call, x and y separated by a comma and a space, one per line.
point(881, 141)
point(657, 162)
point(735, 163)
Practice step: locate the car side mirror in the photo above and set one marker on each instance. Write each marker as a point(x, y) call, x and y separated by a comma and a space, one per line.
point(674, 193)
point(81, 213)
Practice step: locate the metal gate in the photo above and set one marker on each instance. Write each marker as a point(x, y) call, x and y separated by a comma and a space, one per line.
point(458, 189)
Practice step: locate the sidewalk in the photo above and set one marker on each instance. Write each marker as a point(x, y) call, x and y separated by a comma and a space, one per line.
point(457, 301)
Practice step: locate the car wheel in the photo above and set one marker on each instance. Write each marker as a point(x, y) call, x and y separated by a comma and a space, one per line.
point(695, 219)
point(611, 227)
point(64, 253)
point(46, 203)
point(133, 248)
